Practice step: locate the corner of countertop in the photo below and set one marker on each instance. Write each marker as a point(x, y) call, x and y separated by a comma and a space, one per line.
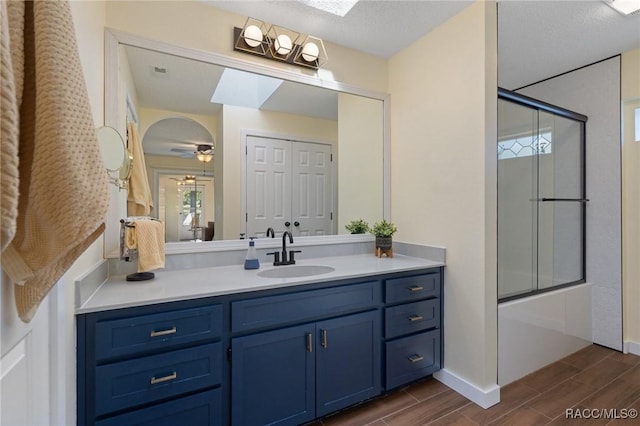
point(435, 253)
point(87, 284)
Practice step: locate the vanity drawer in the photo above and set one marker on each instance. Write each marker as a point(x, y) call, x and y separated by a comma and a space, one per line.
point(164, 330)
point(147, 379)
point(412, 317)
point(204, 408)
point(274, 310)
point(412, 288)
point(411, 358)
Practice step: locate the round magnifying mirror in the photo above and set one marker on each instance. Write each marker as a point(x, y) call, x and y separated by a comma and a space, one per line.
point(114, 155)
point(112, 148)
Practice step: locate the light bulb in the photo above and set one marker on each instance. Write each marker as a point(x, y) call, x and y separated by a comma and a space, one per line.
point(283, 44)
point(310, 52)
point(253, 36)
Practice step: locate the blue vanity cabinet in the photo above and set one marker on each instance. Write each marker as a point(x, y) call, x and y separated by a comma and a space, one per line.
point(151, 365)
point(273, 376)
point(278, 356)
point(413, 327)
point(347, 361)
point(294, 374)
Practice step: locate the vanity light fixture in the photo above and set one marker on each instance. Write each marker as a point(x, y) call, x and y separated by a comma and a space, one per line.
point(282, 44)
point(252, 37)
point(279, 43)
point(311, 53)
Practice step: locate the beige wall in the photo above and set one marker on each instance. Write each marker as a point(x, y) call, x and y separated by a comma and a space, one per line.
point(630, 93)
point(196, 25)
point(360, 153)
point(443, 175)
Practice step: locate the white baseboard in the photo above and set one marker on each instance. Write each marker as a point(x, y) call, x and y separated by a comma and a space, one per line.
point(631, 347)
point(485, 398)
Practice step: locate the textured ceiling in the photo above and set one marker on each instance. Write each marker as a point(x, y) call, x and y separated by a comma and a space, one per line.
point(537, 39)
point(381, 28)
point(541, 39)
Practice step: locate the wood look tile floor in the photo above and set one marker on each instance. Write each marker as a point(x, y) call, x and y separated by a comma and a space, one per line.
point(592, 378)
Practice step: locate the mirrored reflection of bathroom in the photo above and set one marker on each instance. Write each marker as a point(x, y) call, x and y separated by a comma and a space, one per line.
point(229, 153)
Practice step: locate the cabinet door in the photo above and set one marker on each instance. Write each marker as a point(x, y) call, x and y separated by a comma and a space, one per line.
point(347, 361)
point(272, 377)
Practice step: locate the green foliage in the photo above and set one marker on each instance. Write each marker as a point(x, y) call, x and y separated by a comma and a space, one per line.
point(383, 229)
point(357, 226)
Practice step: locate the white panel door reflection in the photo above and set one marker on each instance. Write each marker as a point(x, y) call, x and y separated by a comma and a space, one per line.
point(289, 187)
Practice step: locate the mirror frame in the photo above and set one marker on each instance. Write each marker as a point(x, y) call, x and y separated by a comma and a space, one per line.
point(112, 117)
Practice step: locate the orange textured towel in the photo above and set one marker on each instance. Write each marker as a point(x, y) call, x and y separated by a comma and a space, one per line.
point(147, 236)
point(60, 167)
point(139, 199)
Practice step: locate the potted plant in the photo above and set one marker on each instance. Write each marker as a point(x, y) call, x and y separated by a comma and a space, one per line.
point(383, 232)
point(357, 226)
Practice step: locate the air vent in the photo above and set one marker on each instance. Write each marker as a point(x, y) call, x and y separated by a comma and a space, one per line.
point(159, 72)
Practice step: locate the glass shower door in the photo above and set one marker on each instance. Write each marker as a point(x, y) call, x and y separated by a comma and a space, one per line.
point(541, 197)
point(561, 198)
point(517, 186)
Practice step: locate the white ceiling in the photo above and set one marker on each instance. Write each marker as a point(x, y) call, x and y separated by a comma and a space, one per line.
point(541, 39)
point(536, 40)
point(381, 28)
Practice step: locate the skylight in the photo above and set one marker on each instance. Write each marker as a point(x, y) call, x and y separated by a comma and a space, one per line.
point(626, 7)
point(240, 88)
point(336, 7)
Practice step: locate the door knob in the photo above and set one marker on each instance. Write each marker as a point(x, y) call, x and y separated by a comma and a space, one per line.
point(296, 223)
point(287, 224)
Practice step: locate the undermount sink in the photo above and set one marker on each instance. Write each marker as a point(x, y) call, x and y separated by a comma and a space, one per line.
point(295, 271)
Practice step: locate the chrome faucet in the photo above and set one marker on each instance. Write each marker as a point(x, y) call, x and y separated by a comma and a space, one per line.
point(287, 257)
point(271, 232)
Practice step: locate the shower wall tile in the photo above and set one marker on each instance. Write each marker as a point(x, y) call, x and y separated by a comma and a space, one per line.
point(607, 299)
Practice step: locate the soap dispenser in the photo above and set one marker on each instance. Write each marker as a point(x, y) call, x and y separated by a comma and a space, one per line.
point(251, 261)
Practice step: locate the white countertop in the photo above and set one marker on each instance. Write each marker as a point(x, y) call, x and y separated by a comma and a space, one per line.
point(168, 286)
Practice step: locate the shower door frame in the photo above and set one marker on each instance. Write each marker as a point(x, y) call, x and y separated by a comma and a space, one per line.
point(538, 105)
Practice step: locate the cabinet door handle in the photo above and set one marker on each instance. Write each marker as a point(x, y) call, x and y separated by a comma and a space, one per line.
point(156, 380)
point(416, 288)
point(171, 330)
point(416, 358)
point(416, 317)
point(324, 339)
point(309, 342)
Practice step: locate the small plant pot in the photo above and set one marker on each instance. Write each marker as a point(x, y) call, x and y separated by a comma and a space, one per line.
point(384, 243)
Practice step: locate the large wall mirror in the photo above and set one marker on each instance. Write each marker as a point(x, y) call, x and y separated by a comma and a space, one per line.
point(224, 140)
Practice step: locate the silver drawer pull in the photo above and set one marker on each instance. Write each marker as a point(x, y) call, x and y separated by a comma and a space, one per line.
point(172, 376)
point(171, 330)
point(413, 318)
point(309, 342)
point(416, 288)
point(416, 358)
